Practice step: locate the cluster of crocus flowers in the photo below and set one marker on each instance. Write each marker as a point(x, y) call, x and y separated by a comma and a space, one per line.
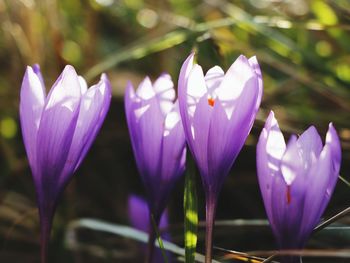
point(296, 181)
point(58, 130)
point(158, 141)
point(217, 111)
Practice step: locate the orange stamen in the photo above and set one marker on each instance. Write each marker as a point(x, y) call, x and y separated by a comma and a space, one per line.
point(211, 102)
point(289, 196)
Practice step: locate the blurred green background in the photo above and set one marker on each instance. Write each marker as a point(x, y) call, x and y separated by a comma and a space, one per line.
point(303, 48)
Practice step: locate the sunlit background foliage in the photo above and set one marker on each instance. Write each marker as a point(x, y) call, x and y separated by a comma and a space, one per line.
point(303, 49)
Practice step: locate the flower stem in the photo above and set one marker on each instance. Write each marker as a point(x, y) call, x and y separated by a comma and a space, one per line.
point(45, 231)
point(210, 215)
point(151, 238)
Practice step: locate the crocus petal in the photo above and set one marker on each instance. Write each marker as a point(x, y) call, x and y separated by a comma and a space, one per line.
point(105, 90)
point(164, 88)
point(37, 71)
point(173, 148)
point(186, 68)
point(213, 78)
point(310, 146)
point(93, 108)
point(32, 100)
point(317, 184)
point(332, 139)
point(83, 84)
point(270, 149)
point(238, 78)
point(199, 120)
point(173, 145)
point(230, 133)
point(292, 163)
point(256, 67)
point(148, 120)
point(198, 140)
point(58, 123)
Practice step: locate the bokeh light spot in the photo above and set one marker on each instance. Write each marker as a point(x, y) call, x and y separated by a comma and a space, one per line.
point(323, 48)
point(71, 52)
point(147, 18)
point(8, 128)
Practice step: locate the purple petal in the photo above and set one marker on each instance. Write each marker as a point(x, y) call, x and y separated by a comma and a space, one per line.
point(213, 78)
point(93, 109)
point(332, 139)
point(255, 65)
point(58, 124)
point(32, 100)
point(186, 68)
point(146, 124)
point(173, 145)
point(270, 149)
point(164, 88)
point(310, 145)
point(227, 132)
point(292, 164)
point(239, 77)
point(199, 123)
point(197, 117)
point(37, 71)
point(317, 185)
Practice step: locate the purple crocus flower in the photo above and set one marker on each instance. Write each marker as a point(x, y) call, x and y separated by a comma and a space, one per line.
point(157, 139)
point(139, 216)
point(58, 130)
point(217, 111)
point(296, 181)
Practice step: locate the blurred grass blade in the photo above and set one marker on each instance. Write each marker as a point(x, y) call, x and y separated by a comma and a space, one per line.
point(191, 214)
point(344, 180)
point(159, 239)
point(137, 51)
point(72, 241)
point(332, 219)
point(241, 256)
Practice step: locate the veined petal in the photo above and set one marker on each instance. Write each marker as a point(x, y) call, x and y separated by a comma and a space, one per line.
point(213, 79)
point(333, 140)
point(93, 109)
point(228, 134)
point(148, 126)
point(32, 100)
point(164, 88)
point(199, 120)
point(253, 62)
point(270, 149)
point(317, 185)
point(310, 145)
point(58, 123)
point(145, 90)
point(239, 77)
point(37, 71)
point(292, 164)
point(83, 84)
point(186, 68)
point(173, 146)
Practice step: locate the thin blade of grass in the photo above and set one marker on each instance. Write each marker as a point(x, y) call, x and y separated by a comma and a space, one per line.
point(191, 215)
point(344, 180)
point(121, 230)
point(159, 240)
